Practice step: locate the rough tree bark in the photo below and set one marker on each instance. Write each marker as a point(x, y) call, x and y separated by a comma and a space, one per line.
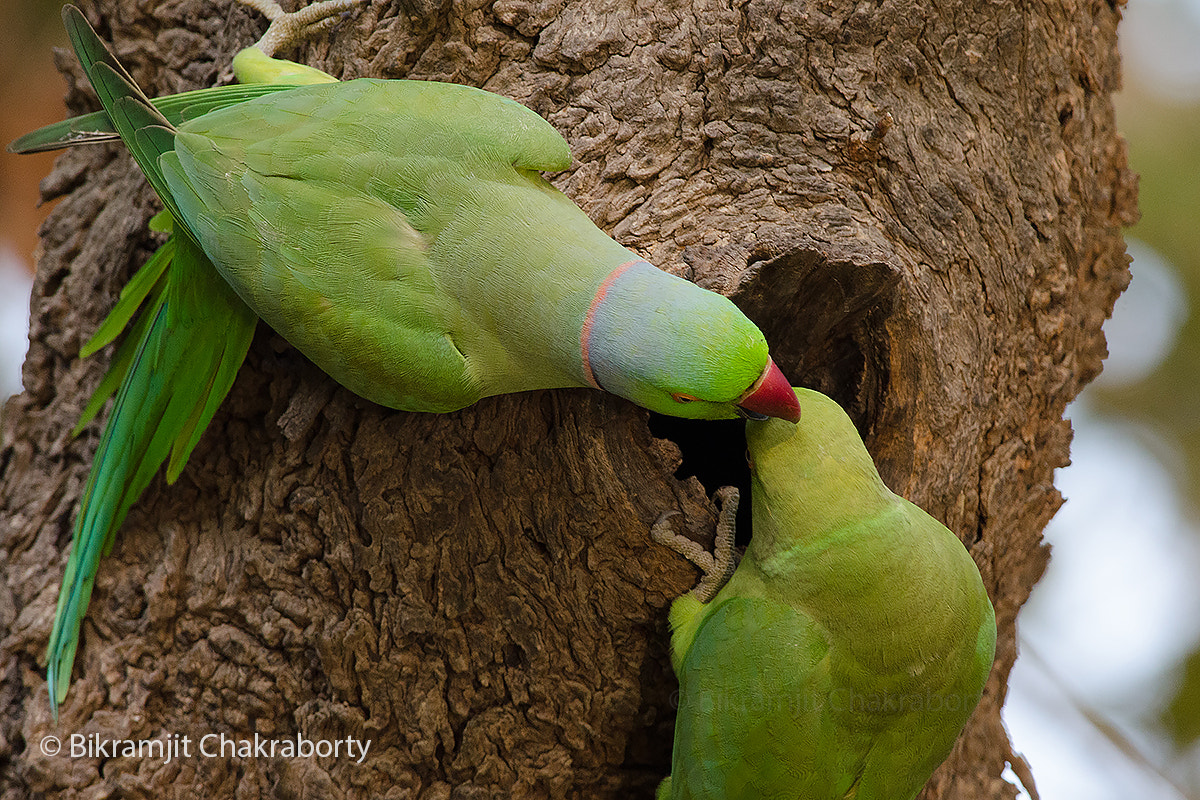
point(919, 202)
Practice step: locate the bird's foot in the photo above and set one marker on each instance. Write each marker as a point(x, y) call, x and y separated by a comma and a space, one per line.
point(718, 565)
point(288, 28)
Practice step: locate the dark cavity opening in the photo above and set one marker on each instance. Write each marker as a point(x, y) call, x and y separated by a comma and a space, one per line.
point(714, 451)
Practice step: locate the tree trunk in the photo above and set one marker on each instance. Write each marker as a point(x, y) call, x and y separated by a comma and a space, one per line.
point(919, 203)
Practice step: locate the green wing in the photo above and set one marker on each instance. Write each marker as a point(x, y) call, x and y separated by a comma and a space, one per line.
point(326, 207)
point(753, 717)
point(767, 710)
point(356, 257)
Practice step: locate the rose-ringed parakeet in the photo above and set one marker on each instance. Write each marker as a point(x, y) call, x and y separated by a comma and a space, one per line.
point(400, 235)
point(848, 648)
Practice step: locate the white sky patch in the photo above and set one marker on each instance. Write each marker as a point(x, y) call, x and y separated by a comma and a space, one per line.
point(15, 285)
point(1159, 51)
point(1146, 318)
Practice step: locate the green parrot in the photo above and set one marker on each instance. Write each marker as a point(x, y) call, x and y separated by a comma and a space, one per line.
point(849, 647)
point(399, 234)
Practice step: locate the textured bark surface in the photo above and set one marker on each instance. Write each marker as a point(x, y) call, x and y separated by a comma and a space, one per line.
point(920, 203)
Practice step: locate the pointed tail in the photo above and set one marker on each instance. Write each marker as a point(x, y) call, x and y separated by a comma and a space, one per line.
point(175, 367)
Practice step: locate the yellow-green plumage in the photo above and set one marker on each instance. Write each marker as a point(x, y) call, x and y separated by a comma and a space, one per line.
point(849, 647)
point(400, 235)
point(358, 278)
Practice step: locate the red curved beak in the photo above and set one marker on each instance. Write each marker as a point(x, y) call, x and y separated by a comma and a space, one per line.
point(771, 396)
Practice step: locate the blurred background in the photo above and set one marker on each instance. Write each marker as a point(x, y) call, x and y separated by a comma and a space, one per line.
point(31, 92)
point(1105, 699)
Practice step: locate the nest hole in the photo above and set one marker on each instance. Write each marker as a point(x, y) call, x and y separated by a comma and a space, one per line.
point(714, 452)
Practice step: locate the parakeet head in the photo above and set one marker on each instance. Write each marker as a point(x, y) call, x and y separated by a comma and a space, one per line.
point(818, 471)
point(672, 347)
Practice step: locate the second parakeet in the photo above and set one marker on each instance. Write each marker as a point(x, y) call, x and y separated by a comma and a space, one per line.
point(849, 647)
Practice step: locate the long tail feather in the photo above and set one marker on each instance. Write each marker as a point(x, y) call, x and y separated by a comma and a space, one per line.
point(176, 366)
point(122, 360)
point(145, 131)
point(96, 127)
point(195, 338)
point(140, 286)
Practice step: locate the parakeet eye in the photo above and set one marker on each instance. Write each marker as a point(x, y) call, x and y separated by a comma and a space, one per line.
point(680, 397)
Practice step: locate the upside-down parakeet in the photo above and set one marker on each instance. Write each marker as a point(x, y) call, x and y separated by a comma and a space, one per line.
point(400, 235)
point(849, 647)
